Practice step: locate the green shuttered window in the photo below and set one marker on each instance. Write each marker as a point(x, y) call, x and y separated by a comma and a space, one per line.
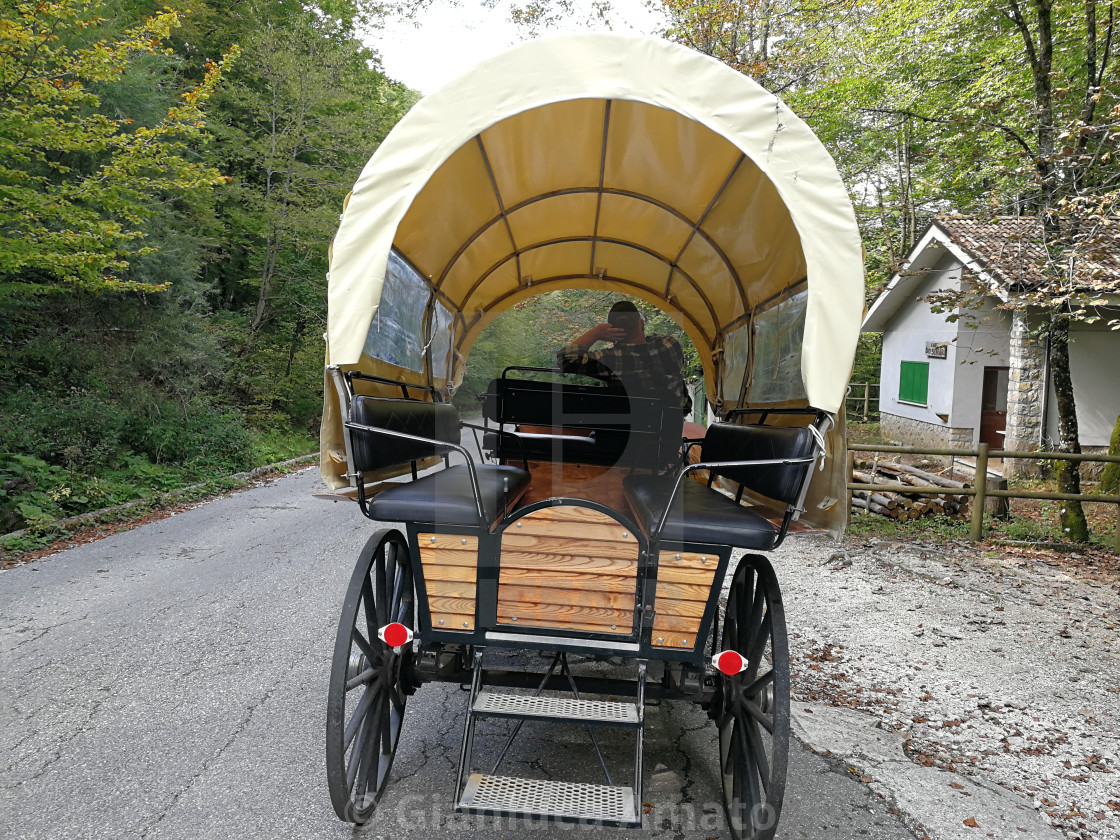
point(913, 383)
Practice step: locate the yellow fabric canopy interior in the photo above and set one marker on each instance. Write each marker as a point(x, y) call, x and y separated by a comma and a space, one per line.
point(594, 208)
point(610, 162)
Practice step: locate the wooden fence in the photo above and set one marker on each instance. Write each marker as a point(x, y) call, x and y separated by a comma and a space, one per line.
point(979, 491)
point(862, 401)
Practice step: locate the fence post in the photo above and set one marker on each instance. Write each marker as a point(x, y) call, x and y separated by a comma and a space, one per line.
point(1116, 534)
point(981, 484)
point(866, 400)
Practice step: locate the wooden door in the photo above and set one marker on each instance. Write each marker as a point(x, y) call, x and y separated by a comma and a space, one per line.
point(993, 407)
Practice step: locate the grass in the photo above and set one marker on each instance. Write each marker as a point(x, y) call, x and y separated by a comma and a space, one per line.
point(865, 433)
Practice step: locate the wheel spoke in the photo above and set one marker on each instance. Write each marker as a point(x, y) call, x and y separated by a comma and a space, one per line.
point(755, 625)
point(766, 720)
point(736, 771)
point(759, 684)
point(726, 747)
point(398, 594)
point(358, 717)
point(754, 738)
point(762, 636)
point(356, 755)
point(370, 609)
point(367, 676)
point(369, 746)
point(381, 594)
point(365, 646)
point(748, 763)
point(387, 727)
point(742, 616)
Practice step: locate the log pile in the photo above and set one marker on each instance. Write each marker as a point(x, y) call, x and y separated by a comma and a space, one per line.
point(907, 506)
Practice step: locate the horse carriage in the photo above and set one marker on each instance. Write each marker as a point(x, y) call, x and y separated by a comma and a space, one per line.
point(584, 524)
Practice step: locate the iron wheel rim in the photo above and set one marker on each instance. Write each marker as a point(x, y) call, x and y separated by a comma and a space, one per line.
point(753, 707)
point(367, 694)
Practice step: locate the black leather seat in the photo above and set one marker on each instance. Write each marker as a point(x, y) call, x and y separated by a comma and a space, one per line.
point(700, 514)
point(445, 497)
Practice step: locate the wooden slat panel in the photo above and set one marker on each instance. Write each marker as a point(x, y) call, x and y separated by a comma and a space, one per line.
point(683, 592)
point(581, 564)
point(552, 571)
point(570, 618)
point(584, 530)
point(686, 560)
point(447, 557)
point(688, 625)
point(680, 641)
point(450, 589)
point(452, 621)
point(578, 584)
point(571, 543)
point(461, 573)
point(572, 513)
point(532, 597)
point(670, 606)
point(699, 577)
point(450, 566)
point(452, 606)
point(449, 541)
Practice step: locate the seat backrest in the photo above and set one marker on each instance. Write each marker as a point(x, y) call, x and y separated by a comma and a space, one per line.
point(783, 483)
point(373, 451)
point(533, 403)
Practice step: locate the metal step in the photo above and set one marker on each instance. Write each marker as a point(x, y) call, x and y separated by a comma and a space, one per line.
point(565, 709)
point(506, 796)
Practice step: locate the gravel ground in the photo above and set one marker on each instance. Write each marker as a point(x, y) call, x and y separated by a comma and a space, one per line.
point(997, 663)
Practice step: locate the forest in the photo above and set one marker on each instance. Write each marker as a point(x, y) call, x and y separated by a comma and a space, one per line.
point(171, 177)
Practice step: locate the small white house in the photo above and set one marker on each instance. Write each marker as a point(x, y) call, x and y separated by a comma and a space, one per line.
point(956, 379)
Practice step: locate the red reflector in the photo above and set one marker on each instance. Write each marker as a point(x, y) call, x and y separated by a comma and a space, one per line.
point(395, 634)
point(729, 662)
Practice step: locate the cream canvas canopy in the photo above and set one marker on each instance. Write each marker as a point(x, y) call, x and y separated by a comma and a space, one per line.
point(607, 162)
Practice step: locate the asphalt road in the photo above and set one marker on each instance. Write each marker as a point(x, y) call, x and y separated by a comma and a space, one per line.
point(170, 682)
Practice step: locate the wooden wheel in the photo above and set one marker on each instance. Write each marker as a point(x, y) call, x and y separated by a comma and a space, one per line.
point(751, 708)
point(369, 682)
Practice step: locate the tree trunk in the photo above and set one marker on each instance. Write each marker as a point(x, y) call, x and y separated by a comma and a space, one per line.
point(1072, 515)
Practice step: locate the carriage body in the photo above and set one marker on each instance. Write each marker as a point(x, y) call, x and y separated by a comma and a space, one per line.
point(579, 525)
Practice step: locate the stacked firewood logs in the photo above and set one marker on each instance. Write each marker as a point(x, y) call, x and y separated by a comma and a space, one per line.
point(907, 506)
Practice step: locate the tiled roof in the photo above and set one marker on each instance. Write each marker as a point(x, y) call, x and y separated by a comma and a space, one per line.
point(1010, 250)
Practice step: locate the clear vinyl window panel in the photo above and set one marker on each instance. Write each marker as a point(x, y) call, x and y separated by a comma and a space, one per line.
point(396, 333)
point(442, 341)
point(736, 353)
point(776, 368)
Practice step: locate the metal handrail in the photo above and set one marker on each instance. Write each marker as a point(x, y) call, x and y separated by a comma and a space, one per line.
point(439, 443)
point(715, 465)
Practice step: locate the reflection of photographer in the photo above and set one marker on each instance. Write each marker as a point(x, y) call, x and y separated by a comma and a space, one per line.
point(646, 363)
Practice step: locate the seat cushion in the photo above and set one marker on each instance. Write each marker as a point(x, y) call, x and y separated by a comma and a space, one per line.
point(445, 497)
point(700, 514)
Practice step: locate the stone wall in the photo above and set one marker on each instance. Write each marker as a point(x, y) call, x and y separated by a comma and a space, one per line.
point(1025, 396)
point(909, 432)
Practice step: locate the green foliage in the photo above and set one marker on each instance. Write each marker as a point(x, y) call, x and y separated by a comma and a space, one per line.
point(185, 256)
point(78, 180)
point(869, 357)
